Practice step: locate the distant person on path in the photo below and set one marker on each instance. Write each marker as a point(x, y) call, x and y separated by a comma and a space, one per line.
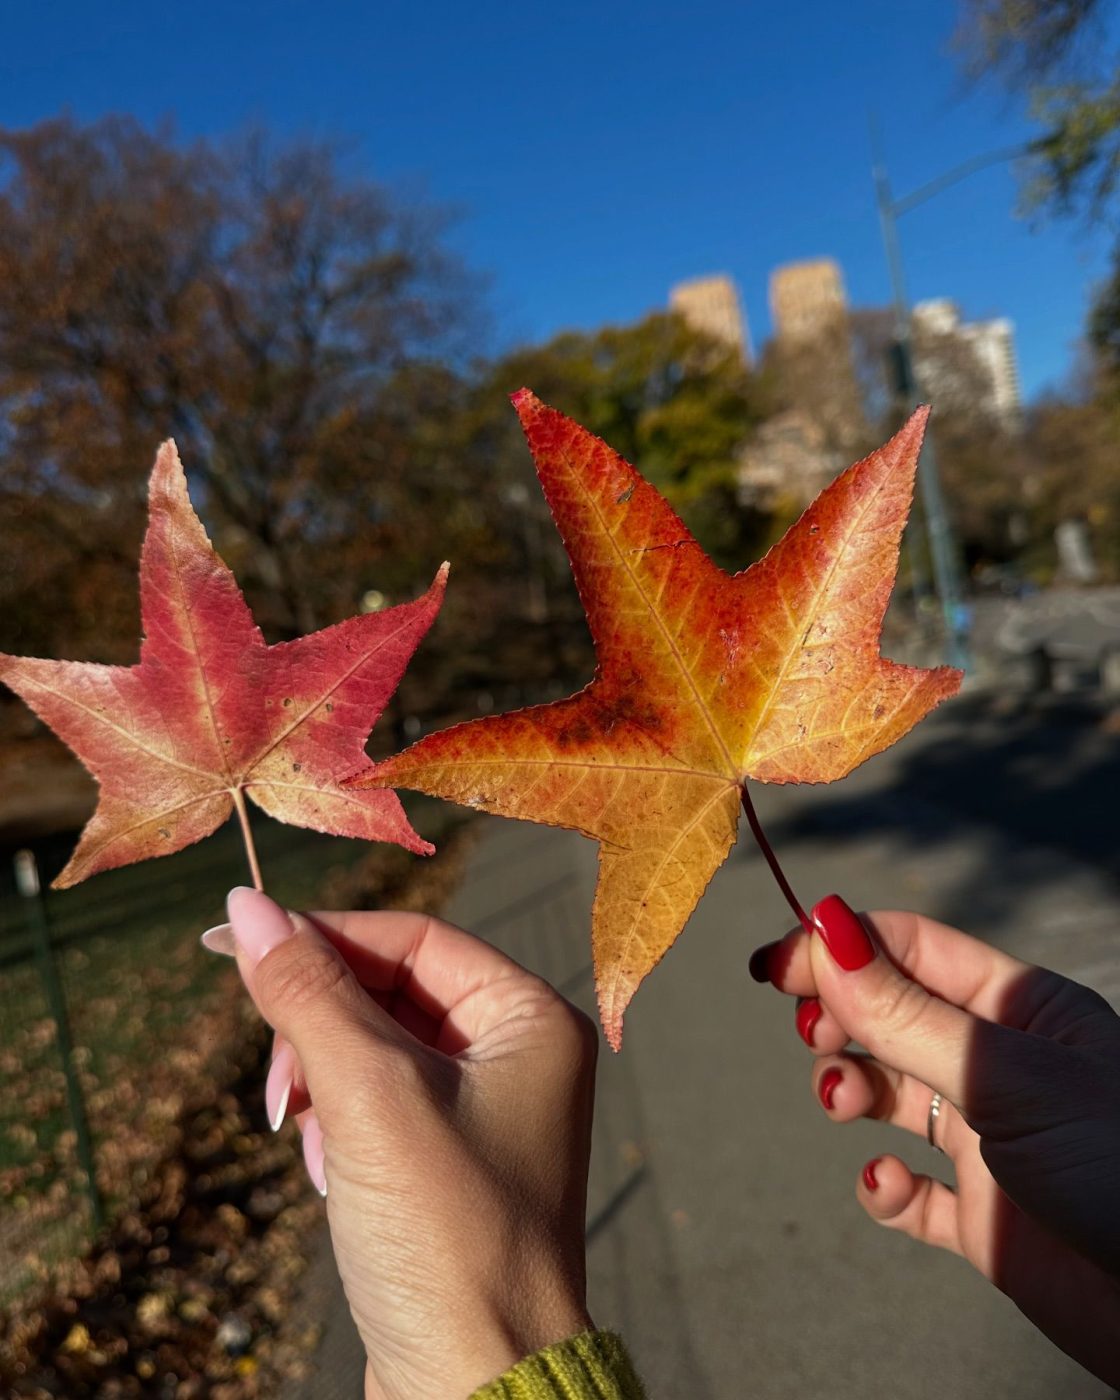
point(445, 1099)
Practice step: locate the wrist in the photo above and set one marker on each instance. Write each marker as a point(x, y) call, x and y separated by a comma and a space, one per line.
point(519, 1331)
point(588, 1364)
point(479, 1344)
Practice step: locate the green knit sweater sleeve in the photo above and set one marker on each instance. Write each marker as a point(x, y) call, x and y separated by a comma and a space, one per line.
point(592, 1366)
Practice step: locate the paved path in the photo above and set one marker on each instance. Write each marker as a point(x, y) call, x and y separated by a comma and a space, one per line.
point(725, 1240)
point(1073, 622)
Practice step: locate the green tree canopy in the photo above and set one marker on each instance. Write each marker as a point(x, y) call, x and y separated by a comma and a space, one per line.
point(676, 404)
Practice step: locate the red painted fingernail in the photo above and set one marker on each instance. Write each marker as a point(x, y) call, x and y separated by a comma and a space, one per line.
point(830, 1081)
point(870, 1180)
point(843, 934)
point(808, 1014)
point(759, 965)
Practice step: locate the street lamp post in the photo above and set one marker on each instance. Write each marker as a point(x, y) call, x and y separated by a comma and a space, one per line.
point(942, 547)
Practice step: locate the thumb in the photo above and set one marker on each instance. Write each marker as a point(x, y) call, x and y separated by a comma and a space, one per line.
point(893, 1017)
point(304, 989)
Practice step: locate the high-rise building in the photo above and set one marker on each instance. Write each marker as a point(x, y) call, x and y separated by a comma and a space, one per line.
point(711, 305)
point(806, 296)
point(987, 375)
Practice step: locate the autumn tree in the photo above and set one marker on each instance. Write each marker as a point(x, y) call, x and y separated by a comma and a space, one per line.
point(662, 394)
point(1070, 473)
point(1104, 346)
point(303, 336)
point(281, 319)
point(1062, 56)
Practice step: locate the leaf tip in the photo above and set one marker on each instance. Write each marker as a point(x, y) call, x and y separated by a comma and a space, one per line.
point(527, 404)
point(912, 433)
point(167, 486)
point(168, 462)
point(612, 1009)
point(362, 778)
point(950, 680)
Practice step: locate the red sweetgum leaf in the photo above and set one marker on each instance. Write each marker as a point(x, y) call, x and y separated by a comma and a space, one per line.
point(703, 680)
point(211, 713)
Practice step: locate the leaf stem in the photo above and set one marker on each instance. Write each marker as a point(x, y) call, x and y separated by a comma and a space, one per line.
point(772, 861)
point(247, 837)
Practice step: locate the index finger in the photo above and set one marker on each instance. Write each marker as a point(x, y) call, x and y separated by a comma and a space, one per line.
point(948, 963)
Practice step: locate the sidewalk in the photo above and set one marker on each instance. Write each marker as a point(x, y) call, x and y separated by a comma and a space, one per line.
point(725, 1242)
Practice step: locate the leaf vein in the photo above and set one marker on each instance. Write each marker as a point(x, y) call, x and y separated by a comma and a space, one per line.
point(669, 640)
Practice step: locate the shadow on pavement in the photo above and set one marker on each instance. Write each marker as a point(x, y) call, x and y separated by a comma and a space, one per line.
point(1036, 783)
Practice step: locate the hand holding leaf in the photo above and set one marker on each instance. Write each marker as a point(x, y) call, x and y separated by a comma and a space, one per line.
point(704, 680)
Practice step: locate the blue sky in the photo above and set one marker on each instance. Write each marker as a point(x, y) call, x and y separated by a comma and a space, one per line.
point(597, 153)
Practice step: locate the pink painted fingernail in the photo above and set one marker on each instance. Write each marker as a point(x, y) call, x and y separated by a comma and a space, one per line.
point(259, 923)
point(219, 939)
point(278, 1086)
point(313, 1153)
point(870, 1180)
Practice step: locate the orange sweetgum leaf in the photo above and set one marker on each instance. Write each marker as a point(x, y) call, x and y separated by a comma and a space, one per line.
point(211, 714)
point(703, 680)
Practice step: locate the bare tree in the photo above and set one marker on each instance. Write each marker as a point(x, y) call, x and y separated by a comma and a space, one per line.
point(252, 301)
